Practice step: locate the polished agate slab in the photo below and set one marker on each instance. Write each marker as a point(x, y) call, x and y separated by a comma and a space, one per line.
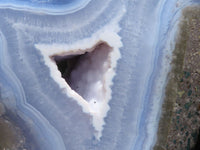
point(87, 75)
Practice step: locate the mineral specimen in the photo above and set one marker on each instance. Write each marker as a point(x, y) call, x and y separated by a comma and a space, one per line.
point(86, 74)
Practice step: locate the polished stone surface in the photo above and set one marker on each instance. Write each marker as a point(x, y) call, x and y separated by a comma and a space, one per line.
point(124, 101)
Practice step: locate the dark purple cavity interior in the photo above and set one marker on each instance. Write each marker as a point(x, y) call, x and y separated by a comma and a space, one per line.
point(84, 73)
point(66, 64)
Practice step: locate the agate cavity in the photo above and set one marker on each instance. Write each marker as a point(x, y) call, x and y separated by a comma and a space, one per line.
point(85, 73)
point(91, 65)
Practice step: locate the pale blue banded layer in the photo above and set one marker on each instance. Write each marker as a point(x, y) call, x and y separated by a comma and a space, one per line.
point(45, 6)
point(148, 30)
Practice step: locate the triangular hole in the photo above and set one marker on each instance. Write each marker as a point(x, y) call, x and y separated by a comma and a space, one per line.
point(85, 72)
